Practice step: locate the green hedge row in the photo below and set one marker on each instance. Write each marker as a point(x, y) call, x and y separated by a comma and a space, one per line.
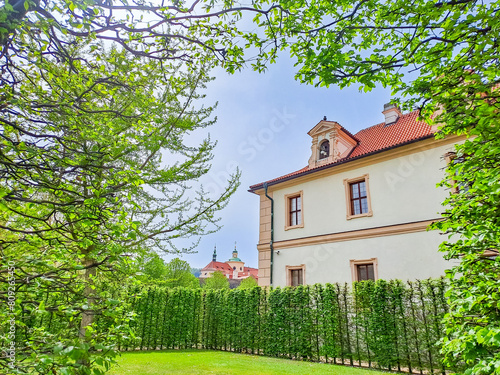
point(389, 325)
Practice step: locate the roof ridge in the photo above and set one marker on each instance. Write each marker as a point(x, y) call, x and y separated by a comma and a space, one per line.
point(383, 123)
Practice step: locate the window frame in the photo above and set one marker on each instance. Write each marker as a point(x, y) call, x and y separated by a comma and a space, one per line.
point(363, 262)
point(289, 270)
point(288, 212)
point(347, 185)
point(451, 157)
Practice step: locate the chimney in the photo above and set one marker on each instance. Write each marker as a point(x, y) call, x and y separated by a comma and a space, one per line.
point(391, 113)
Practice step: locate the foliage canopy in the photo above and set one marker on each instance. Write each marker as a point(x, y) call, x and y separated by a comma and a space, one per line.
point(216, 281)
point(94, 167)
point(248, 283)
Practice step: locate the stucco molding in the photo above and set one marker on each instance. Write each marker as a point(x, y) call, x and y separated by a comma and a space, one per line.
point(363, 161)
point(314, 151)
point(265, 219)
point(356, 262)
point(389, 230)
point(448, 157)
point(291, 268)
point(287, 210)
point(347, 186)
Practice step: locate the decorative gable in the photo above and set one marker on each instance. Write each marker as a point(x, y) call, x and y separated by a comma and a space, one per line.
point(330, 142)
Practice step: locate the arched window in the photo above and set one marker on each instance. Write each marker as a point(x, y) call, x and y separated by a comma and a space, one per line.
point(324, 149)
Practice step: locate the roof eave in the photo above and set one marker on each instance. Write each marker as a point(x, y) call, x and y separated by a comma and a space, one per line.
point(342, 161)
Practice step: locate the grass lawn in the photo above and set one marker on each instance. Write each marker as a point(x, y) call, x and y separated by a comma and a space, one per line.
point(201, 362)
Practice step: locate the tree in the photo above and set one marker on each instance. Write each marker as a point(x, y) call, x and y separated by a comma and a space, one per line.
point(196, 271)
point(441, 57)
point(33, 30)
point(248, 283)
point(154, 267)
point(178, 273)
point(216, 281)
point(93, 168)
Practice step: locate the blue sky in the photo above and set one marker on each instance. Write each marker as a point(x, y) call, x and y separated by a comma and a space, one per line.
point(262, 126)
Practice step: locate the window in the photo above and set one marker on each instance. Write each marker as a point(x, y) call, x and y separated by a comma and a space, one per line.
point(324, 149)
point(357, 197)
point(294, 211)
point(365, 272)
point(461, 185)
point(365, 269)
point(458, 184)
point(295, 275)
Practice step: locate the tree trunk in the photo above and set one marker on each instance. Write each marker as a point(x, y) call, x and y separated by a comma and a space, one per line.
point(88, 293)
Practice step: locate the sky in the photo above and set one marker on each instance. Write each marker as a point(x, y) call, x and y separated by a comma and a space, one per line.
point(262, 125)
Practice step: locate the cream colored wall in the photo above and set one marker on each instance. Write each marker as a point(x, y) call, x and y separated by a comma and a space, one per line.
point(208, 274)
point(402, 190)
point(408, 256)
point(236, 264)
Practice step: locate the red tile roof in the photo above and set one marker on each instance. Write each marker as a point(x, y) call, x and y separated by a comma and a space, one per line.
point(251, 272)
point(228, 271)
point(379, 137)
point(217, 266)
point(374, 139)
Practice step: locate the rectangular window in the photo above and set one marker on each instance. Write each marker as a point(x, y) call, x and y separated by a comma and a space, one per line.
point(294, 210)
point(357, 197)
point(458, 184)
point(364, 269)
point(365, 272)
point(461, 185)
point(296, 277)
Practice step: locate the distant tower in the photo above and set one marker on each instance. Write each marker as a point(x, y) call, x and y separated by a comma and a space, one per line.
point(214, 256)
point(236, 264)
point(235, 252)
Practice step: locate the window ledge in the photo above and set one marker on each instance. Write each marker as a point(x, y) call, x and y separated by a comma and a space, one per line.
point(294, 226)
point(349, 217)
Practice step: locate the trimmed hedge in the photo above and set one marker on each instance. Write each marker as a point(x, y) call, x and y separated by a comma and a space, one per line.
point(389, 325)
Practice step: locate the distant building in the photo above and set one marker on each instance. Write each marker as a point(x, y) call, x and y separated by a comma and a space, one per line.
point(233, 269)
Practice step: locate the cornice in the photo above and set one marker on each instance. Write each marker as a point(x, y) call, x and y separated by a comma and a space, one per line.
point(388, 230)
point(375, 157)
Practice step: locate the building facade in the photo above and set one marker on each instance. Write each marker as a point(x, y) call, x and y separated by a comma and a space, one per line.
point(233, 269)
point(361, 207)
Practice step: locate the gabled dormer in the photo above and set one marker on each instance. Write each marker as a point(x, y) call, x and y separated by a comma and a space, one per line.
point(330, 142)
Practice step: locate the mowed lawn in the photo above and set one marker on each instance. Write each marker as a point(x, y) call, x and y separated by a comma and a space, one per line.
point(202, 362)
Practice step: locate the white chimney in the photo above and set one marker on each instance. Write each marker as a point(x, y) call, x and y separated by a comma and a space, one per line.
point(391, 113)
